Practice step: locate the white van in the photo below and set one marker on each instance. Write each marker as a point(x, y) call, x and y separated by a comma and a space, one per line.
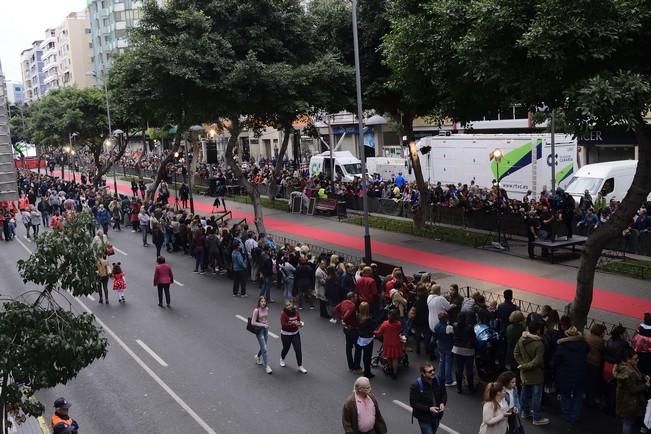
point(612, 178)
point(347, 166)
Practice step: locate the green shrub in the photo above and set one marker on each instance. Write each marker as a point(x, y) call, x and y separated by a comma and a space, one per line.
point(444, 233)
point(635, 268)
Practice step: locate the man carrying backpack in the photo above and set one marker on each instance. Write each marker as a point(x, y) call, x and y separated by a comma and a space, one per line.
point(428, 398)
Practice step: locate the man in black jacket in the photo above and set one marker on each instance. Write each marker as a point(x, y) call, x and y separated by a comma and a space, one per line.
point(428, 399)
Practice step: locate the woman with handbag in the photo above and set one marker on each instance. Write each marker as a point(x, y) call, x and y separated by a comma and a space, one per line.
point(511, 401)
point(260, 319)
point(494, 416)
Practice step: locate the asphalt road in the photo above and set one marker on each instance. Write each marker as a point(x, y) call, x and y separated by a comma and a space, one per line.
point(190, 368)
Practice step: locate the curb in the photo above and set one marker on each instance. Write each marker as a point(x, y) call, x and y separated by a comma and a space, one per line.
point(43, 425)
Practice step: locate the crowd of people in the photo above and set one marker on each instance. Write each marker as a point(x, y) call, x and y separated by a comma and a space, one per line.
point(524, 360)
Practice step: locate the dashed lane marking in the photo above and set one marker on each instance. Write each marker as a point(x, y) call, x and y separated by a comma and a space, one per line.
point(152, 353)
point(178, 283)
point(145, 367)
point(241, 318)
point(24, 246)
point(408, 408)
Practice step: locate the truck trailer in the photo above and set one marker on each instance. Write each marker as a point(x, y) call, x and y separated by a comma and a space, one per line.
point(525, 165)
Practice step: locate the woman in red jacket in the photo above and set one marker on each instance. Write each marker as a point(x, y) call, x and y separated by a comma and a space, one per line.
point(163, 278)
point(391, 343)
point(290, 323)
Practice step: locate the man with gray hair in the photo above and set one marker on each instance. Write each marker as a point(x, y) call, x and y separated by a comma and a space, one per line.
point(361, 413)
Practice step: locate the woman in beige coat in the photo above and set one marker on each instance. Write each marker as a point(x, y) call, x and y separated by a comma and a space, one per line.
point(494, 417)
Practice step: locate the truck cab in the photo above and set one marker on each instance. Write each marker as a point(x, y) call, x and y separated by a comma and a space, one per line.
point(612, 179)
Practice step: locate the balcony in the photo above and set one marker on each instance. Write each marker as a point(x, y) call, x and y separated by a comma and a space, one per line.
point(49, 66)
point(51, 78)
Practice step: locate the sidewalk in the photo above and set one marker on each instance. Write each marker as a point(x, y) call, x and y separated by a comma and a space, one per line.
point(31, 426)
point(616, 298)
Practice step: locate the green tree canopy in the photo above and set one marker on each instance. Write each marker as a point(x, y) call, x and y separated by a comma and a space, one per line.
point(44, 343)
point(171, 72)
point(587, 58)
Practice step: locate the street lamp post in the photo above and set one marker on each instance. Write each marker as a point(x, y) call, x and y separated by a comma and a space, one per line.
point(71, 137)
point(117, 133)
point(176, 187)
point(106, 96)
point(497, 155)
point(358, 85)
point(64, 161)
point(194, 134)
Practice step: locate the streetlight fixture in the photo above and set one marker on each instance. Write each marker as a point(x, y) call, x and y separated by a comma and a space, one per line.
point(497, 154)
point(360, 133)
point(194, 135)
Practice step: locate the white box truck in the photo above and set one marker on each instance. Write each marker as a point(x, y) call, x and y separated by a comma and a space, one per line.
point(526, 162)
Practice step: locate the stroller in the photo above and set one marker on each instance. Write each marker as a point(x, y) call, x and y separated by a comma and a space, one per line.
point(487, 357)
point(378, 360)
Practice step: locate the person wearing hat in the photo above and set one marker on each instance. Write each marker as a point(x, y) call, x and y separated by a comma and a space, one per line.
point(61, 421)
point(570, 364)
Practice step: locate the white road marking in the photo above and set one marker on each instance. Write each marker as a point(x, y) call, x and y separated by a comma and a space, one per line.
point(408, 408)
point(241, 318)
point(152, 353)
point(24, 246)
point(147, 369)
point(122, 252)
point(178, 283)
point(91, 297)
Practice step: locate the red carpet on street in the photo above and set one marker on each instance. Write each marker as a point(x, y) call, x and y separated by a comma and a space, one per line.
point(605, 300)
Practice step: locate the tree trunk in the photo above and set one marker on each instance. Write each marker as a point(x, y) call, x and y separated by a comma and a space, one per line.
point(419, 212)
point(613, 228)
point(272, 187)
point(252, 190)
point(143, 153)
point(5, 425)
point(103, 169)
point(162, 169)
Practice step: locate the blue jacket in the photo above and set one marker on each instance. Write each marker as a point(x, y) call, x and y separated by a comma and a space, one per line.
point(102, 216)
point(239, 263)
point(444, 341)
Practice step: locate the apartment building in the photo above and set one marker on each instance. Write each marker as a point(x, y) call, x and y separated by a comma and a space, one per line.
point(110, 21)
point(74, 51)
point(50, 65)
point(15, 92)
point(31, 66)
point(62, 58)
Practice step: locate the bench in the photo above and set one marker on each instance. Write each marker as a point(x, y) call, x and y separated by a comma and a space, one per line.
point(551, 246)
point(326, 206)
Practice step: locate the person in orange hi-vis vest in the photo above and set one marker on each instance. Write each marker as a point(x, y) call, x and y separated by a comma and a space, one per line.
point(61, 421)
